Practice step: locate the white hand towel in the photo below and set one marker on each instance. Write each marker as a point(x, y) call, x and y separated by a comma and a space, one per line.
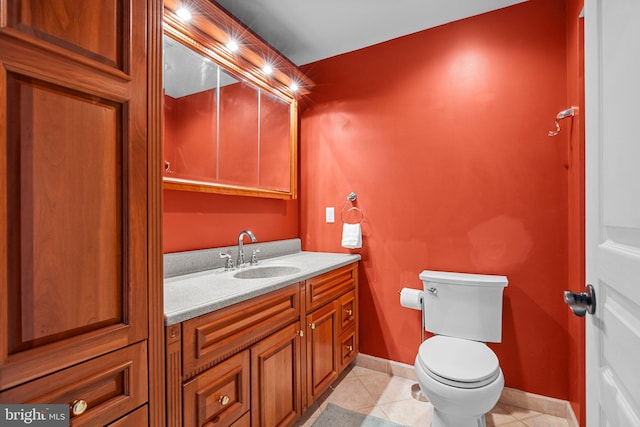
point(351, 236)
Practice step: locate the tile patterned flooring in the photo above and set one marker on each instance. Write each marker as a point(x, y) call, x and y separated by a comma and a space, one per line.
point(389, 397)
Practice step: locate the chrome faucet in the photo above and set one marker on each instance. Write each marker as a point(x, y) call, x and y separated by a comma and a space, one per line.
point(240, 261)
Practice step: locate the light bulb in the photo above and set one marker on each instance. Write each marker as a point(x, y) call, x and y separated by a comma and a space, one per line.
point(232, 45)
point(184, 13)
point(267, 69)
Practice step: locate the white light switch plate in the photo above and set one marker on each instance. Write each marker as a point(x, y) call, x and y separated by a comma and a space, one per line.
point(330, 215)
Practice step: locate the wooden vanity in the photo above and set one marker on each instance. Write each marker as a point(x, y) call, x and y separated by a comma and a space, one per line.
point(263, 361)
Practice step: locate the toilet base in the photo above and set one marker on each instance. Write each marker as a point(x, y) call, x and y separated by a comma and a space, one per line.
point(443, 419)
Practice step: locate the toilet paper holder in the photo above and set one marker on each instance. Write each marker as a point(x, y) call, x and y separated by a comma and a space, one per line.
point(433, 291)
point(416, 391)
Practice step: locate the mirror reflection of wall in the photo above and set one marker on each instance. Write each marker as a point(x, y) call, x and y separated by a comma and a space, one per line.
point(222, 129)
point(239, 134)
point(190, 113)
point(274, 155)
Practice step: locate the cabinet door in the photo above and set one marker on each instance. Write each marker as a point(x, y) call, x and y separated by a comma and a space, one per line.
point(322, 345)
point(275, 379)
point(73, 183)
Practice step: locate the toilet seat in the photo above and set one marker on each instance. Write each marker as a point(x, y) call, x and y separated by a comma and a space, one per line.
point(458, 362)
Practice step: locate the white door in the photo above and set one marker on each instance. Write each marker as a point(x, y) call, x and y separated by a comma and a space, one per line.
point(612, 84)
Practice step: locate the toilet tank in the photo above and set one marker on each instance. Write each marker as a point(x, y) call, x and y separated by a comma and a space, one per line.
point(463, 305)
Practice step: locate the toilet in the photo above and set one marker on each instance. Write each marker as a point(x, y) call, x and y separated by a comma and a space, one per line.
point(456, 370)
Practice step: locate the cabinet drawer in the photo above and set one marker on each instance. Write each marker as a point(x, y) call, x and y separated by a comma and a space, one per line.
point(348, 347)
point(210, 338)
point(329, 286)
point(220, 395)
point(244, 421)
point(137, 418)
point(347, 311)
point(111, 385)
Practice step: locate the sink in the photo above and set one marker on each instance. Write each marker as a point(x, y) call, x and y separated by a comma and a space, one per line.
point(266, 271)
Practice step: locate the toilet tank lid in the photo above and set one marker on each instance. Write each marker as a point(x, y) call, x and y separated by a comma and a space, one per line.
point(464, 279)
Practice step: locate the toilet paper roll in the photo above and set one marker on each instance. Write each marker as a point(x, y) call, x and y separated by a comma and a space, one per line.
point(411, 298)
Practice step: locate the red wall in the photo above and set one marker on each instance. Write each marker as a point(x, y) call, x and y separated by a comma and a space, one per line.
point(443, 135)
point(577, 280)
point(202, 220)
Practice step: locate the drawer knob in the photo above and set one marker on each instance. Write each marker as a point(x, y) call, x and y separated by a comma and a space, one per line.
point(78, 407)
point(349, 312)
point(224, 400)
point(349, 347)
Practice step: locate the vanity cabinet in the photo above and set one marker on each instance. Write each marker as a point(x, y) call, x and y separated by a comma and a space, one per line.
point(264, 361)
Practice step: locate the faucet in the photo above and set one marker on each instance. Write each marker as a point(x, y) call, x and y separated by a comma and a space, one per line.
point(240, 261)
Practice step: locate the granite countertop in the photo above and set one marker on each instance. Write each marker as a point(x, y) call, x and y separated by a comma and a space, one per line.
point(190, 295)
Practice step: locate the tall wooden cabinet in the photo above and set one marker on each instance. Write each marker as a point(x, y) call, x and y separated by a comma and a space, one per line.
point(80, 257)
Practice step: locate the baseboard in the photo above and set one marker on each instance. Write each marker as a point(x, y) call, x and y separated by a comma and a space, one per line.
point(510, 396)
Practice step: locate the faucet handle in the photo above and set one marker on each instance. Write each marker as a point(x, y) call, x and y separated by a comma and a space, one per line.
point(229, 262)
point(254, 256)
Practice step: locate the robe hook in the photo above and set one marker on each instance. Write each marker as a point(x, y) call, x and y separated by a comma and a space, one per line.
point(569, 112)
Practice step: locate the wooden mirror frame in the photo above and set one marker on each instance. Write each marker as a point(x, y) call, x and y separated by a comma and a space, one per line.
point(207, 33)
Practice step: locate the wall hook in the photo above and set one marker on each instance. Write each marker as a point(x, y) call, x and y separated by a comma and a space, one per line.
point(570, 112)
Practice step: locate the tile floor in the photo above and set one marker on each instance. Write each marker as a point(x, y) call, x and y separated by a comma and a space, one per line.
point(389, 397)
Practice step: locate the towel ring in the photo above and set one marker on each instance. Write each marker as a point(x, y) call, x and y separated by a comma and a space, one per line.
point(345, 213)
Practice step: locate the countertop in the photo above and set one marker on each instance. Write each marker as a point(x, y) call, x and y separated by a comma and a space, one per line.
point(190, 295)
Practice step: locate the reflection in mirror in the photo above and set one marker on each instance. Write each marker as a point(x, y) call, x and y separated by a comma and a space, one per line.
point(228, 127)
point(190, 119)
point(275, 157)
point(238, 143)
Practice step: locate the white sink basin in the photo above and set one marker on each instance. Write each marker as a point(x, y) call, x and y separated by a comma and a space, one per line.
point(266, 271)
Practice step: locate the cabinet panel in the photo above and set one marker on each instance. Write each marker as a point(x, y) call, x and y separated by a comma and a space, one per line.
point(322, 344)
point(111, 385)
point(95, 29)
point(55, 169)
point(210, 338)
point(329, 286)
point(218, 396)
point(275, 378)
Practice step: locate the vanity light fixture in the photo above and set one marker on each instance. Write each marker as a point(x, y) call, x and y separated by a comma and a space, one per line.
point(267, 69)
point(232, 45)
point(184, 14)
point(294, 86)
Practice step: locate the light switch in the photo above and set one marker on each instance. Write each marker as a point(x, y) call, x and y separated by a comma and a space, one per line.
point(330, 215)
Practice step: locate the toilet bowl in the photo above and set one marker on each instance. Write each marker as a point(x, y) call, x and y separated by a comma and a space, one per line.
point(461, 379)
point(456, 370)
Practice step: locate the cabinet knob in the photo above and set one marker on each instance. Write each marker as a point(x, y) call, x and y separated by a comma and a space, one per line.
point(349, 347)
point(224, 400)
point(78, 407)
point(349, 312)
point(300, 333)
point(312, 325)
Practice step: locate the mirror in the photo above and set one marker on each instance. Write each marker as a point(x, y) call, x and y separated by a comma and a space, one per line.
point(227, 127)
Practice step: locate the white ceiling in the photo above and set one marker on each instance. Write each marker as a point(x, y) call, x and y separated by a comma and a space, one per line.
point(309, 30)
